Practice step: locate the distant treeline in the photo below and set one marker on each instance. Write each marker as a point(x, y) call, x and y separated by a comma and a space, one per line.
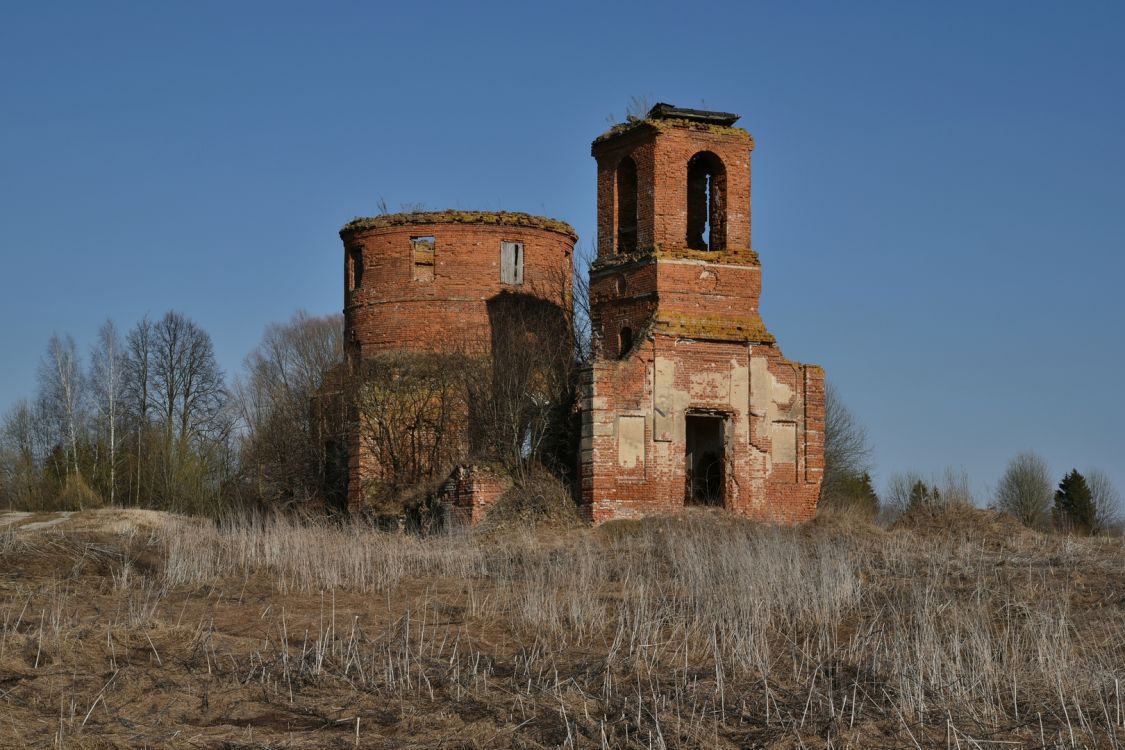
point(1079, 503)
point(148, 418)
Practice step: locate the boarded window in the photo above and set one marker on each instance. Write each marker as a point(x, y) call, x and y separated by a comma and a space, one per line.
point(423, 248)
point(355, 259)
point(511, 262)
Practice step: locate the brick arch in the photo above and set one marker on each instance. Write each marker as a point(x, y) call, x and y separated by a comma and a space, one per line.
point(706, 202)
point(626, 216)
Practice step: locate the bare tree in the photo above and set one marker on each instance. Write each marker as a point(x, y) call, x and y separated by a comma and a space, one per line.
point(508, 400)
point(909, 491)
point(62, 394)
point(282, 448)
point(186, 397)
point(138, 393)
point(409, 411)
point(107, 381)
point(1106, 499)
point(23, 444)
point(1026, 490)
point(187, 384)
point(522, 394)
point(847, 453)
point(293, 357)
point(905, 491)
point(580, 307)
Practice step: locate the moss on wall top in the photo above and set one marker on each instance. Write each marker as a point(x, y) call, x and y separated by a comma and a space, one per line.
point(743, 256)
point(732, 255)
point(497, 218)
point(668, 124)
point(713, 327)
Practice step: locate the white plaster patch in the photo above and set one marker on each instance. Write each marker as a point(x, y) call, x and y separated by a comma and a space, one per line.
point(630, 441)
point(766, 391)
point(783, 436)
point(740, 395)
point(709, 385)
point(663, 398)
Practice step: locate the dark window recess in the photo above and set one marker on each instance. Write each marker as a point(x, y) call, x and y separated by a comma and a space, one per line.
point(511, 262)
point(624, 342)
point(423, 251)
point(706, 205)
point(355, 259)
point(627, 206)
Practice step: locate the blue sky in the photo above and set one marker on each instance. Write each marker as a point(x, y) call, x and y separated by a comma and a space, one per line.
point(939, 201)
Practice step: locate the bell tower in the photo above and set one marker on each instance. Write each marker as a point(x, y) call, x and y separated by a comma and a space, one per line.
point(673, 209)
point(688, 400)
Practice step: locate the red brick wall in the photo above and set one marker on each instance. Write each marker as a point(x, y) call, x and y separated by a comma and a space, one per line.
point(698, 343)
point(662, 150)
point(471, 491)
point(392, 310)
point(621, 297)
point(763, 399)
point(700, 347)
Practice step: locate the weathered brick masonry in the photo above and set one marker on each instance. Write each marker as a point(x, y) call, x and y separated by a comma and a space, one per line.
point(426, 278)
point(688, 399)
point(434, 282)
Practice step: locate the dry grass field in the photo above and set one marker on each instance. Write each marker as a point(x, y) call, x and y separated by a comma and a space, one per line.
point(955, 628)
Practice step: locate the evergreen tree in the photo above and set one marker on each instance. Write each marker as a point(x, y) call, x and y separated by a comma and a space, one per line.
point(1074, 503)
point(855, 492)
point(921, 494)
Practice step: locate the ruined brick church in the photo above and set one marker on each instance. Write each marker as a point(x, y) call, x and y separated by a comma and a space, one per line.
point(687, 398)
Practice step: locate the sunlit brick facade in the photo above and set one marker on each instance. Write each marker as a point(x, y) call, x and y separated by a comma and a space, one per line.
point(440, 282)
point(689, 401)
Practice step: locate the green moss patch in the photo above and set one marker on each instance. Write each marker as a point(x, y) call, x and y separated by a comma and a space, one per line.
point(497, 218)
point(669, 124)
point(713, 327)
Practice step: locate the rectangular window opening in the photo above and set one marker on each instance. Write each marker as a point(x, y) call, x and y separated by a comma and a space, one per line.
point(511, 262)
point(355, 256)
point(423, 251)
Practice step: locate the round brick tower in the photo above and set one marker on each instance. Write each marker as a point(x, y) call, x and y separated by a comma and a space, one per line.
point(423, 281)
point(448, 282)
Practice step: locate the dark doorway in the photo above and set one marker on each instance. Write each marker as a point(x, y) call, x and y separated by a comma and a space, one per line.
point(705, 459)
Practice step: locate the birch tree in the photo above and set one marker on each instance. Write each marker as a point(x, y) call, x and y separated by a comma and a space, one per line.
point(61, 393)
point(107, 381)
